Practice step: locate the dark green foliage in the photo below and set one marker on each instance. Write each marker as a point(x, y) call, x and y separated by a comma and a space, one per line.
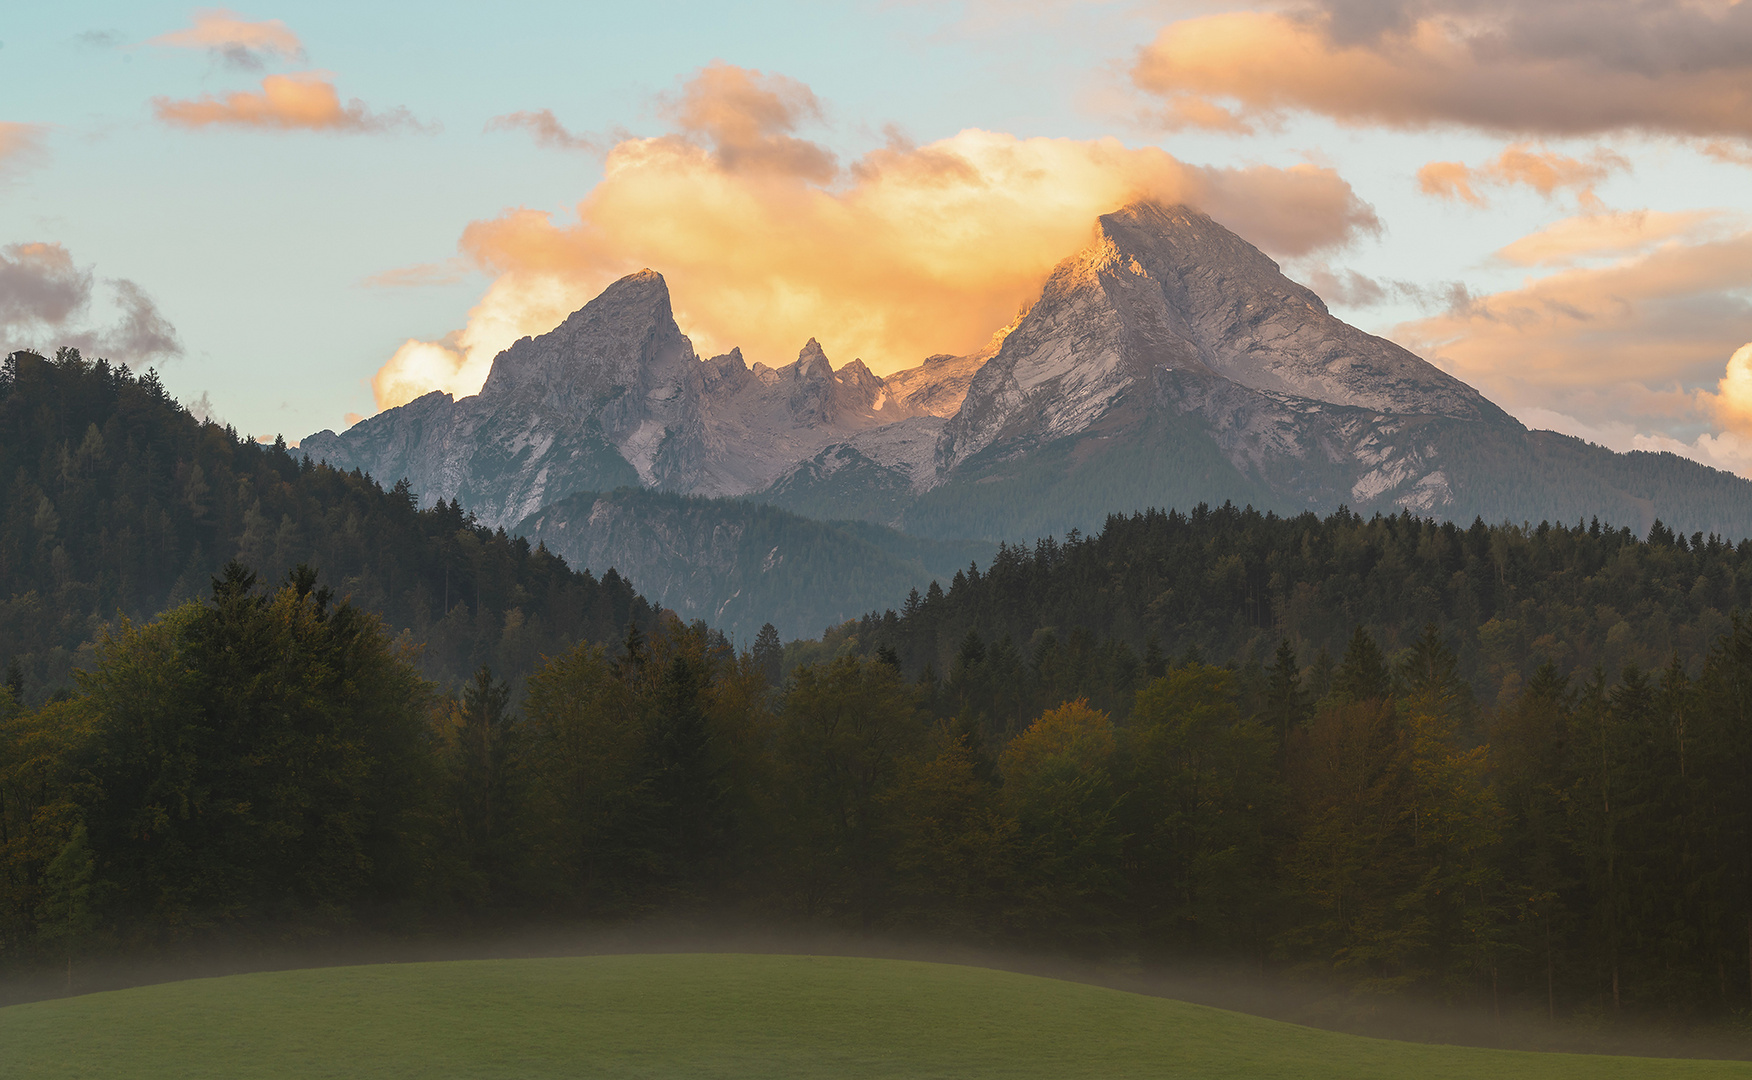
point(1230, 585)
point(259, 758)
point(769, 654)
point(118, 501)
point(1362, 674)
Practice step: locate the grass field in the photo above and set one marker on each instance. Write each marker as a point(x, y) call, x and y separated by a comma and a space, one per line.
point(712, 1015)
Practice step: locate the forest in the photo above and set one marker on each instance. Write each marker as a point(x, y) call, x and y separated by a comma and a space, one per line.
point(118, 501)
point(253, 699)
point(1091, 615)
point(269, 763)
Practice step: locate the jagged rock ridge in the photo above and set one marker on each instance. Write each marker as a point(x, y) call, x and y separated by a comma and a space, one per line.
point(1168, 362)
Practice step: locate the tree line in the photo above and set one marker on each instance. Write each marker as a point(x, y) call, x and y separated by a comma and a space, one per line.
point(1088, 615)
point(270, 762)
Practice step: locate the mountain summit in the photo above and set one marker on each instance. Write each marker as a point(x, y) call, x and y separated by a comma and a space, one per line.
point(1167, 363)
point(1168, 289)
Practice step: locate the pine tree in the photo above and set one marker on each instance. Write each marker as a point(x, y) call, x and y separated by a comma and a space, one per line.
point(1286, 703)
point(769, 653)
point(480, 758)
point(1363, 675)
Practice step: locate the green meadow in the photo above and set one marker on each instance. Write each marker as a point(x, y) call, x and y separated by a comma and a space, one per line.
point(713, 1015)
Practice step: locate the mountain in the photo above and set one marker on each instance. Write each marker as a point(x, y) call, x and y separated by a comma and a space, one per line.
point(1168, 363)
point(738, 564)
point(615, 396)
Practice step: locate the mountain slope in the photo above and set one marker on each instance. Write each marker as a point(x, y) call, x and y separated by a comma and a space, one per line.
point(739, 564)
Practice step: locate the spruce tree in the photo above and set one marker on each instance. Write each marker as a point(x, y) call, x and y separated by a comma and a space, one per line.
point(1363, 675)
point(769, 653)
point(1286, 703)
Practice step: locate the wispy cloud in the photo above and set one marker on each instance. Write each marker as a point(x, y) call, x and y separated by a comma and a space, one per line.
point(546, 130)
point(1644, 335)
point(1545, 171)
point(447, 272)
point(235, 40)
point(21, 146)
point(306, 101)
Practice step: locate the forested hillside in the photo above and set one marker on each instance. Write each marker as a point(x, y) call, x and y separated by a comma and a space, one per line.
point(119, 501)
point(266, 765)
point(1088, 615)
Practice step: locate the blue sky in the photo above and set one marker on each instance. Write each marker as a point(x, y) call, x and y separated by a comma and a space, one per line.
point(258, 245)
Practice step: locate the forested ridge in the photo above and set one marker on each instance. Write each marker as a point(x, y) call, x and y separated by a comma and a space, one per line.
point(119, 501)
point(1086, 615)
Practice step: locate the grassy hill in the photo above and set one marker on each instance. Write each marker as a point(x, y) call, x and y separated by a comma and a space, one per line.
point(715, 1015)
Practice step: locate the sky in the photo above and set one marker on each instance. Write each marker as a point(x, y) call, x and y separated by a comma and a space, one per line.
point(303, 213)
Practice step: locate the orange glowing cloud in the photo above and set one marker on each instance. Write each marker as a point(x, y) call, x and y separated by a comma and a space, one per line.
point(1606, 234)
point(764, 242)
point(1543, 171)
point(1681, 69)
point(1627, 338)
point(235, 39)
point(912, 250)
point(306, 101)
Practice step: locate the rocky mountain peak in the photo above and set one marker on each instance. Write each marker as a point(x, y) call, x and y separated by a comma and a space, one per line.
point(625, 338)
point(812, 362)
point(1166, 288)
point(1177, 272)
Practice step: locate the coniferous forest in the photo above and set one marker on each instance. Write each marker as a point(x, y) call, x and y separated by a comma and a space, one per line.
point(1497, 764)
point(120, 502)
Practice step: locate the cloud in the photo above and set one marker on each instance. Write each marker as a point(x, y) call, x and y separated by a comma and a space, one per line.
point(1607, 234)
point(1725, 450)
point(1349, 288)
point(45, 302)
point(39, 283)
point(1637, 340)
point(546, 130)
point(1560, 68)
point(1726, 152)
point(1544, 171)
point(21, 146)
point(747, 118)
point(908, 251)
point(235, 40)
point(447, 272)
point(1733, 397)
point(1345, 288)
point(99, 39)
point(306, 101)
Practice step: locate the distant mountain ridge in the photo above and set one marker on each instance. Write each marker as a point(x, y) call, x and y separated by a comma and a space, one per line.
point(738, 564)
point(1167, 363)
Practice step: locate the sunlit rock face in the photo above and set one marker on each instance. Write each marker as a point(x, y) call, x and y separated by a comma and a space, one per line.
point(1167, 363)
point(615, 396)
